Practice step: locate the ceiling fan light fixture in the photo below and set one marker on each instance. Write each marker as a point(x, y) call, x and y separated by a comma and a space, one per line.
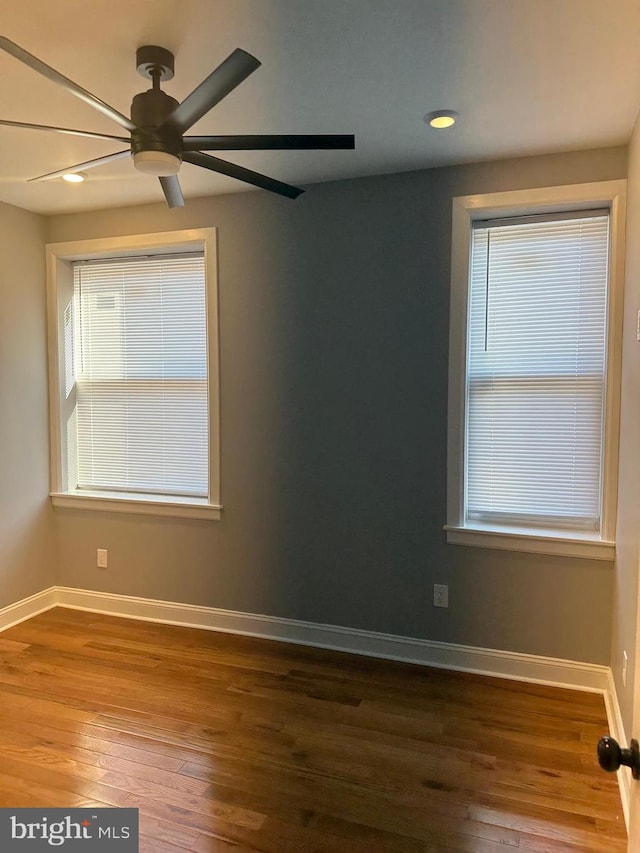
point(74, 177)
point(158, 163)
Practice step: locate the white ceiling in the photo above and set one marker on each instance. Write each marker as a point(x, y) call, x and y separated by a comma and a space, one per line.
point(526, 76)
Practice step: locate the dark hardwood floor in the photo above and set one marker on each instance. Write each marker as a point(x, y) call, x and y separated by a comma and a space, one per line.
point(233, 744)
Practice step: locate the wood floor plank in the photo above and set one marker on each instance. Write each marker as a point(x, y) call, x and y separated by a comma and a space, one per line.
point(7, 646)
point(231, 744)
point(151, 827)
point(207, 844)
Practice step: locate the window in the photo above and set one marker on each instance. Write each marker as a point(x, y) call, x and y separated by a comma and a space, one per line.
point(534, 367)
point(134, 337)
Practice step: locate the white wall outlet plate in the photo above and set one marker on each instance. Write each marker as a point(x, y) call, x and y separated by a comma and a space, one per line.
point(440, 595)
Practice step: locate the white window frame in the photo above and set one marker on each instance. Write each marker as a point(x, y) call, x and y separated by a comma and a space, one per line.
point(60, 258)
point(467, 209)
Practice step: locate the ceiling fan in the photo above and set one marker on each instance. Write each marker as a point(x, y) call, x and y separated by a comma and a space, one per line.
point(158, 123)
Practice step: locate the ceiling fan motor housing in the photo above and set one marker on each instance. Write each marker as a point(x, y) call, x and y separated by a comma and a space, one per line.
point(149, 111)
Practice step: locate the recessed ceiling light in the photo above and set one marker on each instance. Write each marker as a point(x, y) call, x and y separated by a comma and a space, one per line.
point(441, 118)
point(74, 177)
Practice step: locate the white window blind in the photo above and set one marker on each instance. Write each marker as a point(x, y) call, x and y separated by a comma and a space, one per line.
point(536, 371)
point(140, 365)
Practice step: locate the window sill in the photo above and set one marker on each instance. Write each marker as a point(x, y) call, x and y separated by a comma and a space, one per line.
point(138, 504)
point(550, 542)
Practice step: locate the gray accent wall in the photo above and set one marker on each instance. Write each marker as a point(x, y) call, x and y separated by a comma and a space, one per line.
point(28, 558)
point(334, 316)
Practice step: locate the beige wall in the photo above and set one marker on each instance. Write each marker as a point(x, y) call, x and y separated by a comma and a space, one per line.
point(28, 561)
point(334, 326)
point(628, 530)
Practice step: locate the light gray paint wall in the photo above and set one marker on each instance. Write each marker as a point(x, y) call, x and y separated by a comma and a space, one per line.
point(334, 338)
point(27, 539)
point(628, 527)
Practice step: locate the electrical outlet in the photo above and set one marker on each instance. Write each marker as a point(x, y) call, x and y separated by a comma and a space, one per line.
point(440, 595)
point(625, 666)
point(102, 558)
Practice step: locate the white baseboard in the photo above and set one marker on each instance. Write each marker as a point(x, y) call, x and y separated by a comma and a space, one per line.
point(543, 670)
point(28, 607)
point(616, 730)
point(492, 662)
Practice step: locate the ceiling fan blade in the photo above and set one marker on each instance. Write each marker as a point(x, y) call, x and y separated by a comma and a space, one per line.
point(240, 173)
point(71, 87)
point(90, 164)
point(172, 192)
point(229, 74)
point(316, 141)
point(66, 130)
